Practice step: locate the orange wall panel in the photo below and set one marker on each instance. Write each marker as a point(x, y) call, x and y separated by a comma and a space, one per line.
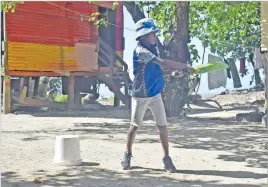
point(40, 57)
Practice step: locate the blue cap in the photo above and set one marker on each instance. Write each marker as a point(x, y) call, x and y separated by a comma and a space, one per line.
point(145, 26)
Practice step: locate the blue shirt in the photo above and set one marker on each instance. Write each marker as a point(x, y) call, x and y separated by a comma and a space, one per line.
point(148, 76)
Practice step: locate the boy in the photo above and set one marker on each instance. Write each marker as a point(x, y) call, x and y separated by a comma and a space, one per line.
point(147, 87)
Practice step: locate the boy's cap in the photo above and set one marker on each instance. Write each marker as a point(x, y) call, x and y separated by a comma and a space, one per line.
point(145, 26)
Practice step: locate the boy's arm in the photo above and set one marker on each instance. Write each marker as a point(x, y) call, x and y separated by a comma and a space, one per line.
point(170, 64)
point(145, 56)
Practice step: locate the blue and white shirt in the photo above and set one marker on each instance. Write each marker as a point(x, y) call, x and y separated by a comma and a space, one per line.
point(148, 76)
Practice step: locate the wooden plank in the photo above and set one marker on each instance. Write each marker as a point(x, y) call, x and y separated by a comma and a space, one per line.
point(58, 74)
point(108, 81)
point(36, 85)
point(7, 95)
point(71, 83)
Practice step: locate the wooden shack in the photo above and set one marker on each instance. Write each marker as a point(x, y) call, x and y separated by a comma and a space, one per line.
point(57, 39)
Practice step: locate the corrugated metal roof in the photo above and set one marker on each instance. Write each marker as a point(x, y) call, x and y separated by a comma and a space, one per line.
point(264, 26)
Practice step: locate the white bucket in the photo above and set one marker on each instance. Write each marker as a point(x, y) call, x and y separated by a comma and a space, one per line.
point(67, 150)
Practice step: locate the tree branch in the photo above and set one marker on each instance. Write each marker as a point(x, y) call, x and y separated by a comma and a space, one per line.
point(137, 14)
point(134, 10)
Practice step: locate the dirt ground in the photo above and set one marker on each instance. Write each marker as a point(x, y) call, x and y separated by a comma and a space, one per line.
point(209, 148)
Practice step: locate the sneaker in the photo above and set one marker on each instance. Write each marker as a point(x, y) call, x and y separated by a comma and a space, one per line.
point(168, 164)
point(126, 161)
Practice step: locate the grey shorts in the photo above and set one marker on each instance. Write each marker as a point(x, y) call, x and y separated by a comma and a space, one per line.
point(140, 105)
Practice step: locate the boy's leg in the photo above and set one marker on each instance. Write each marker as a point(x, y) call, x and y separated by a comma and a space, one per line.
point(158, 110)
point(164, 139)
point(131, 137)
point(138, 109)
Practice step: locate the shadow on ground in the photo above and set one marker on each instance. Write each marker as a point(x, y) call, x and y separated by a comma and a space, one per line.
point(89, 176)
point(109, 112)
point(244, 141)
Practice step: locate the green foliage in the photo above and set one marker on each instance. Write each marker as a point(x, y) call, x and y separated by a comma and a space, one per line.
point(7, 6)
point(100, 22)
point(115, 5)
point(94, 16)
point(59, 98)
point(97, 22)
point(163, 14)
point(227, 28)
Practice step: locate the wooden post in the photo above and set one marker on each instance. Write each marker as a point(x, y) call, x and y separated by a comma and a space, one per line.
point(116, 101)
point(7, 95)
point(21, 83)
point(77, 99)
point(266, 85)
point(77, 95)
point(6, 81)
point(26, 81)
point(126, 87)
point(71, 83)
point(36, 86)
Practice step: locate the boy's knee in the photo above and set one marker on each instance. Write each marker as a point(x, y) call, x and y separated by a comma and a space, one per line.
point(161, 127)
point(133, 128)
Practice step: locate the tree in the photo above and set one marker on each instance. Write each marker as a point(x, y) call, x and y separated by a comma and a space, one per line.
point(176, 93)
point(229, 29)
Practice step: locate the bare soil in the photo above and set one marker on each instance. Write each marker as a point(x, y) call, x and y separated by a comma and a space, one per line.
point(209, 148)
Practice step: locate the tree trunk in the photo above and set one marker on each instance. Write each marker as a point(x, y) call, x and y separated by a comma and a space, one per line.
point(176, 92)
point(135, 12)
point(266, 84)
point(258, 82)
point(235, 75)
point(257, 78)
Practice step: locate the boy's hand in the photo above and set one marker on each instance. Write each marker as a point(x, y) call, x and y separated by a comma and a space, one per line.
point(167, 71)
point(190, 70)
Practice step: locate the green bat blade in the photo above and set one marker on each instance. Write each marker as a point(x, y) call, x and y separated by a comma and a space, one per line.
point(210, 67)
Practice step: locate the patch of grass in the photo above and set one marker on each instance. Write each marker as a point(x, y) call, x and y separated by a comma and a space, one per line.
point(108, 101)
point(59, 98)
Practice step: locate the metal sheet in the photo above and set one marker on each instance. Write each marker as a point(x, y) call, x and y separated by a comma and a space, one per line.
point(40, 57)
point(41, 36)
